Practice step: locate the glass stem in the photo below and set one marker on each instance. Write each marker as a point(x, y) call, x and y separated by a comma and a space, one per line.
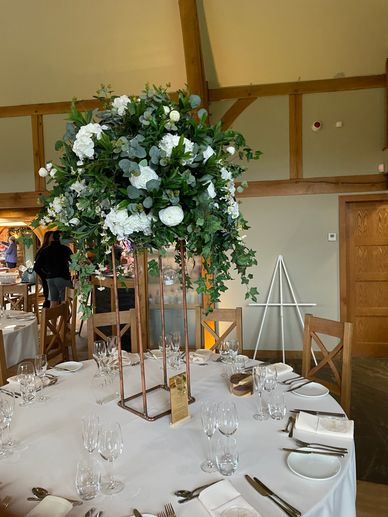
point(9, 440)
point(209, 451)
point(1, 442)
point(111, 481)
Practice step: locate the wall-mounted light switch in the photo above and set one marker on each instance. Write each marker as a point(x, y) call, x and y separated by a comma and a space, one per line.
point(332, 237)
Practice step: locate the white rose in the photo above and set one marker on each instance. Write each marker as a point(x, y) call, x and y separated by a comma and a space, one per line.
point(43, 172)
point(211, 190)
point(231, 150)
point(174, 116)
point(146, 174)
point(172, 215)
point(207, 153)
point(74, 221)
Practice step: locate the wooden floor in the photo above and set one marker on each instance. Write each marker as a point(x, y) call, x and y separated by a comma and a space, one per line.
point(372, 499)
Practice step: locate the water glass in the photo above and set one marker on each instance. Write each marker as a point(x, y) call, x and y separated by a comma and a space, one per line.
point(100, 353)
point(226, 455)
point(224, 351)
point(209, 426)
point(26, 378)
point(103, 386)
point(110, 446)
point(90, 432)
point(234, 347)
point(227, 418)
point(87, 479)
point(276, 405)
point(271, 378)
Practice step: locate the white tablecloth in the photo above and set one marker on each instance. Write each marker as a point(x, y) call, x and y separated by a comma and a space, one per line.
point(20, 336)
point(158, 459)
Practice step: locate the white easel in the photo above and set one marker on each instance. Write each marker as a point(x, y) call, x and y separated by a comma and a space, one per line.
point(280, 270)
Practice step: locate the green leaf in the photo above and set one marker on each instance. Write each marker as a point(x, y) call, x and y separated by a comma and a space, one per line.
point(148, 202)
point(133, 192)
point(153, 185)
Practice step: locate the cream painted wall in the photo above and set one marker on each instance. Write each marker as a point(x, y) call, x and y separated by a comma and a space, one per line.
point(262, 41)
point(295, 227)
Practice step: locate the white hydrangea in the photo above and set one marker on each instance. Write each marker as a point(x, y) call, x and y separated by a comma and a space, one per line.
point(231, 150)
point(121, 224)
point(83, 145)
point(233, 209)
point(172, 215)
point(211, 191)
point(43, 172)
point(74, 221)
point(120, 104)
point(146, 174)
point(78, 186)
point(169, 141)
point(225, 174)
point(209, 151)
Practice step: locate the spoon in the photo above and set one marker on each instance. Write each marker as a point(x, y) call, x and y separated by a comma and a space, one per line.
point(41, 493)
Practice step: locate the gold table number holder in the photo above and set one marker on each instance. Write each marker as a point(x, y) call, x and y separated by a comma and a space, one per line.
point(124, 402)
point(178, 399)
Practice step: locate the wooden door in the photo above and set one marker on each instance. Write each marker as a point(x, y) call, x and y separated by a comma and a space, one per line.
point(364, 271)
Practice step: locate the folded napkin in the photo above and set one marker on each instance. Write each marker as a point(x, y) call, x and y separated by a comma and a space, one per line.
point(221, 496)
point(129, 359)
point(325, 425)
point(51, 506)
point(282, 369)
point(201, 356)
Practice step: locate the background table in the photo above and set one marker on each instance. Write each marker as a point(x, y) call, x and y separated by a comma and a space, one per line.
point(20, 337)
point(158, 459)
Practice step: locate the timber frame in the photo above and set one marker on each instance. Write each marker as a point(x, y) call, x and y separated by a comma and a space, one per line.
point(244, 96)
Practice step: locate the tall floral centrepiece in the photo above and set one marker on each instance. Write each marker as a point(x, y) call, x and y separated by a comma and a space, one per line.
point(151, 170)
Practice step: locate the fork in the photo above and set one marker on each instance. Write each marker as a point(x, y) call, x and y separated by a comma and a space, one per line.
point(169, 510)
point(161, 514)
point(4, 503)
point(321, 446)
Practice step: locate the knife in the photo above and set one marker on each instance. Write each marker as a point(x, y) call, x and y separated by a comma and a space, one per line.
point(263, 492)
point(270, 492)
point(300, 451)
point(299, 386)
point(322, 413)
point(136, 513)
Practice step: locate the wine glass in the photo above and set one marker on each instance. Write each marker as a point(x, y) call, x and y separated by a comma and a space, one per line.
point(90, 432)
point(26, 379)
point(175, 343)
point(224, 351)
point(110, 446)
point(234, 346)
point(6, 409)
point(227, 418)
point(100, 353)
point(209, 426)
point(40, 370)
point(259, 376)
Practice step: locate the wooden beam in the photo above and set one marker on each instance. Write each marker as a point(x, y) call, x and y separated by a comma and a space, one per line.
point(317, 86)
point(49, 108)
point(386, 105)
point(195, 72)
point(38, 150)
point(16, 200)
point(295, 136)
point(323, 185)
point(235, 111)
point(20, 214)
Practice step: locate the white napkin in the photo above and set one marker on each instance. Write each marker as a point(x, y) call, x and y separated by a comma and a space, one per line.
point(325, 425)
point(51, 506)
point(201, 356)
point(282, 369)
point(221, 496)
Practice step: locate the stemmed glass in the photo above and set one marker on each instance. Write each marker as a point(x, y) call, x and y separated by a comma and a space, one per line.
point(40, 370)
point(26, 378)
point(209, 426)
point(90, 432)
point(234, 346)
point(100, 353)
point(6, 412)
point(110, 446)
point(259, 377)
point(175, 343)
point(227, 418)
point(8, 409)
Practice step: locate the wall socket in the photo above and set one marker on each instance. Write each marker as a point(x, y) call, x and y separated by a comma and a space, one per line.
point(331, 237)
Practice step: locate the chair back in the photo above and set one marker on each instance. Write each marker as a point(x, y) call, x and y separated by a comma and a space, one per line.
point(316, 331)
point(36, 298)
point(5, 372)
point(210, 323)
point(52, 333)
point(97, 322)
point(14, 295)
point(71, 321)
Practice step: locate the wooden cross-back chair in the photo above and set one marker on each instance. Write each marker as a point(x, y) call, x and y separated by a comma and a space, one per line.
point(97, 322)
point(36, 298)
point(52, 333)
point(5, 371)
point(71, 321)
point(14, 296)
point(314, 331)
point(231, 316)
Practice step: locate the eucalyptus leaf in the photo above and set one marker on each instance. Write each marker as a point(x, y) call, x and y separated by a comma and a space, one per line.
point(133, 192)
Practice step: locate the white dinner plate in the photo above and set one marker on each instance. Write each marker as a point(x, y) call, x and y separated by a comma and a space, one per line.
point(146, 515)
point(314, 389)
point(313, 466)
point(68, 366)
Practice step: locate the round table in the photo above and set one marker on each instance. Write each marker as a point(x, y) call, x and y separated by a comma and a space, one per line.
point(20, 335)
point(158, 459)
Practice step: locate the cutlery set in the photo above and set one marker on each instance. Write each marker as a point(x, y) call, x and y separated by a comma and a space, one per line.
point(267, 492)
point(95, 513)
point(188, 495)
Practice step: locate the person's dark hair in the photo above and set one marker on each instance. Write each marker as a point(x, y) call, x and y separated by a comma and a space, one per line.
point(46, 238)
point(56, 235)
